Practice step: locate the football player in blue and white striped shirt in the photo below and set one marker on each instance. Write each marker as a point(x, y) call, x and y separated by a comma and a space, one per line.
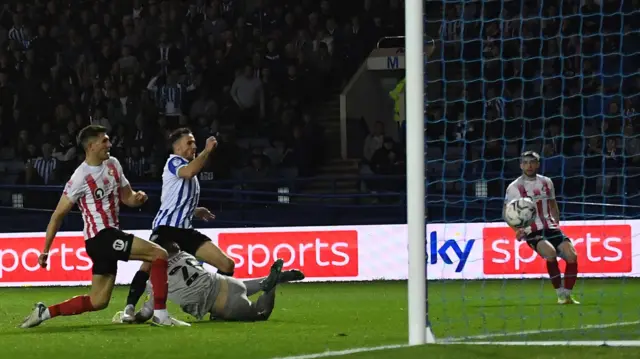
point(179, 204)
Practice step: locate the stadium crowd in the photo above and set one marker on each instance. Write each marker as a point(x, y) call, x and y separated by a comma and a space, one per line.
point(557, 77)
point(250, 76)
point(563, 81)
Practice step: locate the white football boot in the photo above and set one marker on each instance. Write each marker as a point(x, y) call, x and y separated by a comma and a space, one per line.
point(39, 314)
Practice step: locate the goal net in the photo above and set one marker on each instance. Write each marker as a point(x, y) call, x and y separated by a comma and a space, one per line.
point(560, 78)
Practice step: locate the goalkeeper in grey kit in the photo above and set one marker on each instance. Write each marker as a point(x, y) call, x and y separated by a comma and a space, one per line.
point(543, 235)
point(198, 291)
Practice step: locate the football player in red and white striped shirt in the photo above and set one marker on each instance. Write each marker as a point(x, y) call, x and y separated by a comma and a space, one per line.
point(544, 235)
point(98, 186)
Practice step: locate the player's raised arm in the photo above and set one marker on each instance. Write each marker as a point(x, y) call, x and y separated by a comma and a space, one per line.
point(182, 141)
point(194, 167)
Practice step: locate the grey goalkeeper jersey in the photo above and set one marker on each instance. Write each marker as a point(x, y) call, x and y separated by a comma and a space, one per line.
point(191, 286)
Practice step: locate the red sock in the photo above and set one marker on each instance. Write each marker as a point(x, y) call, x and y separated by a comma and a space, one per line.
point(73, 306)
point(554, 274)
point(570, 275)
point(159, 282)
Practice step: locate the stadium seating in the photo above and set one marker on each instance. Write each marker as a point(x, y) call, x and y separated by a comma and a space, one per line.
point(485, 103)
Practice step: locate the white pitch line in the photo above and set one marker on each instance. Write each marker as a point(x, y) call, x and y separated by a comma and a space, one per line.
point(460, 340)
point(540, 331)
point(573, 343)
point(344, 352)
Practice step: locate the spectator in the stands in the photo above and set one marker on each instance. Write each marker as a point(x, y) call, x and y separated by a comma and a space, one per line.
point(91, 63)
point(631, 145)
point(301, 154)
point(65, 153)
point(46, 165)
point(136, 165)
point(553, 163)
point(612, 162)
point(141, 136)
point(248, 96)
point(374, 140)
point(277, 152)
point(46, 135)
point(169, 94)
point(226, 156)
point(388, 159)
point(99, 118)
point(122, 108)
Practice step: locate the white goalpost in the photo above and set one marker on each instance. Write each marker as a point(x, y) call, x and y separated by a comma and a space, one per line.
point(419, 328)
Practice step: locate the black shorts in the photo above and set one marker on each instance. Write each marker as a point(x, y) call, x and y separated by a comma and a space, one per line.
point(108, 247)
point(553, 236)
point(188, 239)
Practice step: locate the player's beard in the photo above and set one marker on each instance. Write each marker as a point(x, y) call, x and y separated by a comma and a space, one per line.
point(530, 176)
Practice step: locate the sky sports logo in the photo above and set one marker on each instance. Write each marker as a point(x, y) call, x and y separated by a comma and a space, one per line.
point(601, 249)
point(450, 251)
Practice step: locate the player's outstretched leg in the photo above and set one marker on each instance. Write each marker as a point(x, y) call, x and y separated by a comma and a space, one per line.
point(98, 299)
point(571, 271)
point(292, 275)
point(267, 301)
point(239, 308)
point(73, 306)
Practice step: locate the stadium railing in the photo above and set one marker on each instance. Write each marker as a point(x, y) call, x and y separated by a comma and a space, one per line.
point(283, 202)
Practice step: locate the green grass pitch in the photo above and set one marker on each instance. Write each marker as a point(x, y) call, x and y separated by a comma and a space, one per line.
point(318, 317)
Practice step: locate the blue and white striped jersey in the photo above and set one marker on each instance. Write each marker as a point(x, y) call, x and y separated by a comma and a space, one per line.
point(180, 196)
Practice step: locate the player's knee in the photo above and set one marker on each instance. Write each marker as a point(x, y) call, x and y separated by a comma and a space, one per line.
point(551, 258)
point(159, 253)
point(99, 302)
point(571, 257)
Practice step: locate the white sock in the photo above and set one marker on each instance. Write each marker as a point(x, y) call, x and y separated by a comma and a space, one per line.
point(567, 292)
point(560, 292)
point(161, 314)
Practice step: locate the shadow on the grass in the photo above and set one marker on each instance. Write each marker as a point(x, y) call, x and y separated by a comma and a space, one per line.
point(70, 329)
point(235, 322)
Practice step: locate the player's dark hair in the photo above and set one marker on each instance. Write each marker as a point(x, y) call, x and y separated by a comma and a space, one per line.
point(88, 133)
point(177, 134)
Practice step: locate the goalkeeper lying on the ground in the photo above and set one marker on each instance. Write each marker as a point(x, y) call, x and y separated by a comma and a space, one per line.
point(198, 291)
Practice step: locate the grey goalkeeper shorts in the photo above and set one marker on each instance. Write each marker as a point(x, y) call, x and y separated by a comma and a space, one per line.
point(238, 306)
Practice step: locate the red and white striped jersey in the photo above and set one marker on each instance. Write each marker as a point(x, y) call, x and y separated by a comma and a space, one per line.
point(96, 190)
point(541, 191)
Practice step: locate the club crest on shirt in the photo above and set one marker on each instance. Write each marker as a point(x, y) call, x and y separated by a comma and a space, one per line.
point(110, 172)
point(98, 193)
point(177, 162)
